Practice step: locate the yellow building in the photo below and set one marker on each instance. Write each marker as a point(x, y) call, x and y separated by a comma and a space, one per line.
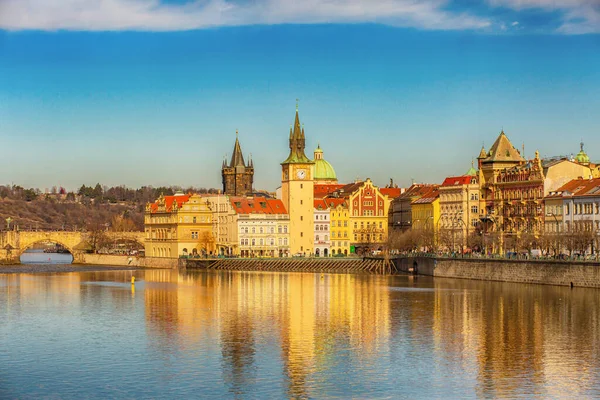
point(340, 225)
point(179, 225)
point(297, 191)
point(460, 212)
point(425, 211)
point(225, 224)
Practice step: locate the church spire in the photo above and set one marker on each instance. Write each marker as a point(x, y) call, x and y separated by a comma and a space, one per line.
point(297, 142)
point(237, 158)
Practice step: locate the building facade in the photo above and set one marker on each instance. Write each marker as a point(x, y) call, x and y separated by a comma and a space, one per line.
point(322, 232)
point(340, 226)
point(400, 210)
point(179, 225)
point(460, 213)
point(238, 177)
point(263, 227)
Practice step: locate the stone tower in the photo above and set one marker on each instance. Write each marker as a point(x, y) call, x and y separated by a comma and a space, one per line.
point(238, 177)
point(297, 191)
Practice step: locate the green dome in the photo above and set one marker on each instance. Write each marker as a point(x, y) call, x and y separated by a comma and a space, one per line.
point(323, 171)
point(472, 171)
point(582, 157)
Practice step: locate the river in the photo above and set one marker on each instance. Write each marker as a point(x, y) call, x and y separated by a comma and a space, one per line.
point(290, 335)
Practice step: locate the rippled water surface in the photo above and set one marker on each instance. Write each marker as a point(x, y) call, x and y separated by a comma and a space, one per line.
point(283, 335)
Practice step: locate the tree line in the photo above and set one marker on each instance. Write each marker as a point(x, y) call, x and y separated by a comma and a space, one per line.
point(90, 208)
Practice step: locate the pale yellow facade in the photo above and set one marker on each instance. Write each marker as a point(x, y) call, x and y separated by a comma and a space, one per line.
point(225, 224)
point(297, 188)
point(340, 230)
point(264, 235)
point(179, 225)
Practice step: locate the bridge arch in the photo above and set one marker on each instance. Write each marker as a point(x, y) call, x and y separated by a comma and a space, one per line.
point(68, 240)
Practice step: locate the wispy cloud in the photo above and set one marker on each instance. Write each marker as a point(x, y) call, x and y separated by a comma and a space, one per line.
point(154, 15)
point(578, 16)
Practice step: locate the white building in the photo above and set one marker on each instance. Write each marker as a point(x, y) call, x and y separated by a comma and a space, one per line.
point(322, 224)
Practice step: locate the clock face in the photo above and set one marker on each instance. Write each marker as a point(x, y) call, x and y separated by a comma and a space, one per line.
point(301, 174)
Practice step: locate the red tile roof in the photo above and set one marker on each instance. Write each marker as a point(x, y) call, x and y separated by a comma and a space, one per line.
point(428, 197)
point(181, 199)
point(392, 193)
point(458, 180)
point(321, 191)
point(578, 187)
point(257, 205)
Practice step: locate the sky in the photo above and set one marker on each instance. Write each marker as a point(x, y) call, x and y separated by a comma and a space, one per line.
point(149, 92)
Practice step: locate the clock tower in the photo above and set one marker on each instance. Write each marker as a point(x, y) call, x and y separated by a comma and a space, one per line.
point(297, 191)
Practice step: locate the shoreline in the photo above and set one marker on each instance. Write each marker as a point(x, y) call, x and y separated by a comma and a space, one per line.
point(53, 268)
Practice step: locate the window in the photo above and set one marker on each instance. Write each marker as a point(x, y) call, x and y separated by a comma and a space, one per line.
point(301, 218)
point(317, 238)
point(279, 229)
point(301, 202)
point(301, 186)
point(246, 230)
point(326, 238)
point(194, 220)
point(346, 224)
point(261, 229)
point(285, 241)
point(279, 241)
point(272, 229)
point(194, 235)
point(262, 242)
point(474, 209)
point(301, 234)
point(566, 209)
point(253, 230)
point(272, 241)
point(242, 242)
point(253, 242)
point(285, 229)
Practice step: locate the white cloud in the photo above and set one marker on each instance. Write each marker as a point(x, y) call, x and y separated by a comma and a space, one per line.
point(515, 23)
point(579, 16)
point(152, 15)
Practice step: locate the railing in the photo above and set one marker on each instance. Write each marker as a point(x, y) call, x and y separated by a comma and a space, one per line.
point(595, 258)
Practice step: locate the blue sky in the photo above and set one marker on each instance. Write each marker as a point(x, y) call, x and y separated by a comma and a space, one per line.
point(139, 92)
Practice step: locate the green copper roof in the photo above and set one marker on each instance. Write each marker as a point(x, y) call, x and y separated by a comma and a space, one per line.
point(582, 157)
point(472, 171)
point(324, 171)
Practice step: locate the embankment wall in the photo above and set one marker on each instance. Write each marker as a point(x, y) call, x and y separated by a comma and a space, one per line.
point(129, 261)
point(544, 272)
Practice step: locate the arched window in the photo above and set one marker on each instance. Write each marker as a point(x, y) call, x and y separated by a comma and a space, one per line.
point(253, 242)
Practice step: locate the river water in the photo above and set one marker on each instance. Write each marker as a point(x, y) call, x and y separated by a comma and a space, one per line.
point(291, 335)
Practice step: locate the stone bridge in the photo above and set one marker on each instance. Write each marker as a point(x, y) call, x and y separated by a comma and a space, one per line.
point(14, 243)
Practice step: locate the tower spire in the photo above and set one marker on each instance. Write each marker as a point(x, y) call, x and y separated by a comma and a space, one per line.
point(237, 158)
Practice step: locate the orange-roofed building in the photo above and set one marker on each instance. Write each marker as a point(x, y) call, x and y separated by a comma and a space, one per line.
point(179, 225)
point(263, 227)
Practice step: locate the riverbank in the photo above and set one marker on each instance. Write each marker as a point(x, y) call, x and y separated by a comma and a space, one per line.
point(50, 268)
point(540, 272)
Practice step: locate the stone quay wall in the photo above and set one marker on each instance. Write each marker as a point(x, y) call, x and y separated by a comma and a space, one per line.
point(329, 265)
point(543, 272)
point(128, 261)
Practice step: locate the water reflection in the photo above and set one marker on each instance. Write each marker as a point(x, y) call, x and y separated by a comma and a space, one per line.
point(241, 334)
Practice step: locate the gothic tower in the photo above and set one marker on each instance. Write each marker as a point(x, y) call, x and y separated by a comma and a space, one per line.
point(297, 191)
point(238, 177)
